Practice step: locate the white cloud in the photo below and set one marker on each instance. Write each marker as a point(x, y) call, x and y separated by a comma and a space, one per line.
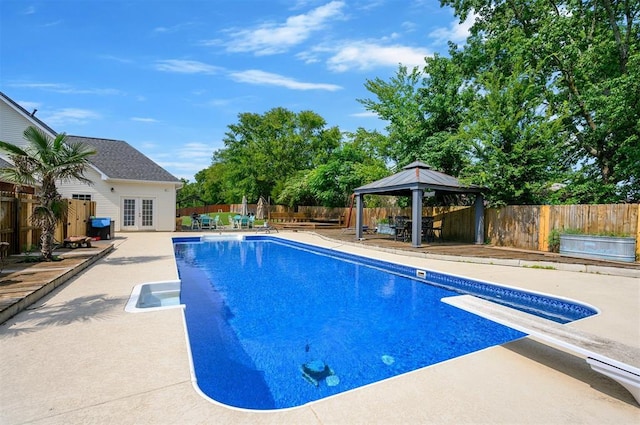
point(196, 150)
point(66, 89)
point(272, 38)
point(191, 158)
point(115, 58)
point(409, 26)
point(172, 29)
point(364, 55)
point(68, 116)
point(140, 119)
point(186, 67)
point(29, 106)
point(457, 32)
point(53, 23)
point(254, 76)
point(365, 114)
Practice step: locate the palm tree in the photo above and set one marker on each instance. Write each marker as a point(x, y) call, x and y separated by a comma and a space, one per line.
point(41, 163)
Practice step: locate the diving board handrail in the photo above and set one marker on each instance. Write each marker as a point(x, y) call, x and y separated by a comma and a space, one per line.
point(614, 359)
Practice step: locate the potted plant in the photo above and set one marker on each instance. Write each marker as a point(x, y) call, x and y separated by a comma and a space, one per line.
point(383, 227)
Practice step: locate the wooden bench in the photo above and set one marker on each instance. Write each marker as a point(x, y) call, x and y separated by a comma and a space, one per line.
point(611, 358)
point(304, 225)
point(288, 217)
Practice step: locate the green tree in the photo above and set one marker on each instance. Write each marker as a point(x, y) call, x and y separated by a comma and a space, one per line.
point(41, 164)
point(444, 101)
point(398, 101)
point(425, 109)
point(515, 150)
point(332, 183)
point(585, 54)
point(262, 151)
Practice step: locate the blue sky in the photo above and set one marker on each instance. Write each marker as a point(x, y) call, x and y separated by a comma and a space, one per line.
point(168, 77)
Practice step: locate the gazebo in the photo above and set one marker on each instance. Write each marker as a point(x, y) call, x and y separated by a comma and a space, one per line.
point(414, 180)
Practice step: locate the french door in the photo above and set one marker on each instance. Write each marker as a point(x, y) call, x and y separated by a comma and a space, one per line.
point(138, 214)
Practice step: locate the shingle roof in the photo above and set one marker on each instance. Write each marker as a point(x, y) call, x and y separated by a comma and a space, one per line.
point(416, 175)
point(119, 160)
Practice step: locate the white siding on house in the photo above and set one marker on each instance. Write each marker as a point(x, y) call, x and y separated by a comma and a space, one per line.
point(13, 124)
point(109, 204)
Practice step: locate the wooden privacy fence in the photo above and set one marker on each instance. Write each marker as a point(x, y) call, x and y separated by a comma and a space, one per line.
point(529, 226)
point(17, 230)
point(205, 209)
point(517, 226)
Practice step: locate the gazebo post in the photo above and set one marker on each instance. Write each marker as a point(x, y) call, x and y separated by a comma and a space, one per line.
point(416, 217)
point(479, 221)
point(359, 217)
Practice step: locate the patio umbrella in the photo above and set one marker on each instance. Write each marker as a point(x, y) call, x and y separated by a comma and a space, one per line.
point(245, 209)
point(260, 209)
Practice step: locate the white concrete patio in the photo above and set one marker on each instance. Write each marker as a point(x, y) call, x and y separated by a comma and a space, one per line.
point(77, 357)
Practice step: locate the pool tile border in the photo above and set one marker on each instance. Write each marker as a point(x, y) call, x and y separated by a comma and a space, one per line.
point(543, 305)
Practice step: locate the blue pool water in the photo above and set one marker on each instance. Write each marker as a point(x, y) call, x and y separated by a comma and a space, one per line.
point(260, 312)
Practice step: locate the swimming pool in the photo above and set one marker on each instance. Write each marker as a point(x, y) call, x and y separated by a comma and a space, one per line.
point(274, 324)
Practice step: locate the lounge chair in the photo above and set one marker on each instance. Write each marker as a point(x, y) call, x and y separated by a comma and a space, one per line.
point(266, 227)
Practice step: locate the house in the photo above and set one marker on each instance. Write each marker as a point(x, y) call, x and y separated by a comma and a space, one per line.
point(128, 187)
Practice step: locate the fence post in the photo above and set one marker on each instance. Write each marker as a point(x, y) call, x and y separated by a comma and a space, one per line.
point(544, 228)
point(15, 238)
point(638, 233)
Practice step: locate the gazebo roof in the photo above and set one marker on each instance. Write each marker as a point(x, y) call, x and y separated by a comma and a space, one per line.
point(416, 175)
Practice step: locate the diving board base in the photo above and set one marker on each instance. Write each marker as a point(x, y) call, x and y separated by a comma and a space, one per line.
point(625, 378)
point(613, 359)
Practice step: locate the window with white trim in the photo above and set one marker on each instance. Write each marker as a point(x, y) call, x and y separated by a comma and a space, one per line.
point(81, 196)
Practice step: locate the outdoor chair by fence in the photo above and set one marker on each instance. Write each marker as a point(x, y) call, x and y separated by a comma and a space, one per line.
point(195, 221)
point(205, 221)
point(217, 222)
point(403, 229)
point(244, 222)
point(428, 234)
point(437, 230)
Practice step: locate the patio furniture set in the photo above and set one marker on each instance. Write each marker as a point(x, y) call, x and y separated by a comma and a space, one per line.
point(402, 226)
point(206, 222)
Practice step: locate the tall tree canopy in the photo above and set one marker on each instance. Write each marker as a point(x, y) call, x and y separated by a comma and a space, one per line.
point(262, 151)
point(356, 162)
point(583, 58)
point(543, 92)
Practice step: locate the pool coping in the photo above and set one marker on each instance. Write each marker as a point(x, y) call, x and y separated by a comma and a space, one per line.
point(521, 382)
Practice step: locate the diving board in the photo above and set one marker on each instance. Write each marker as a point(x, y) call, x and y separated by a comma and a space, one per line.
point(616, 360)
